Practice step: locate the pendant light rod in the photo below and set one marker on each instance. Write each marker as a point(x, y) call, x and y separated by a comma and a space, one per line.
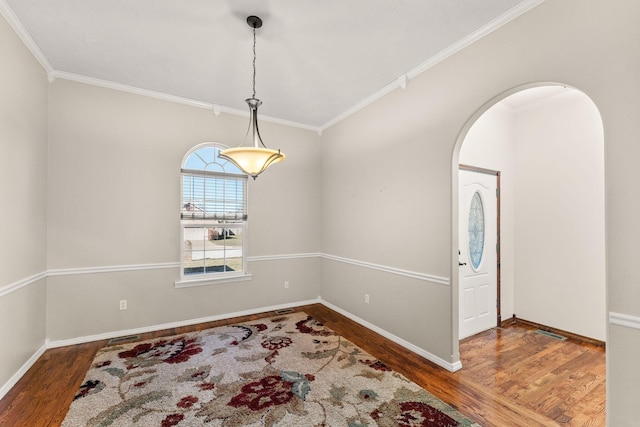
point(253, 160)
point(254, 22)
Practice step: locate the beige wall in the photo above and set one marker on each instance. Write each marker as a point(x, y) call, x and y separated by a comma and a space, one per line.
point(114, 200)
point(115, 163)
point(388, 170)
point(86, 305)
point(412, 138)
point(23, 185)
point(560, 247)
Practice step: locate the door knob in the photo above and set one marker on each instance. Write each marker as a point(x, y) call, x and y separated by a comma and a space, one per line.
point(460, 263)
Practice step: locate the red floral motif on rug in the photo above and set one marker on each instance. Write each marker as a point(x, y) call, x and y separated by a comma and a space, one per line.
point(175, 350)
point(283, 371)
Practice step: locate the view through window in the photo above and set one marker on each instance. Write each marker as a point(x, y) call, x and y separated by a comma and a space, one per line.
point(213, 214)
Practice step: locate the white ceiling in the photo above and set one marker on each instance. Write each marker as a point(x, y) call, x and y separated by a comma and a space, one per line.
point(317, 60)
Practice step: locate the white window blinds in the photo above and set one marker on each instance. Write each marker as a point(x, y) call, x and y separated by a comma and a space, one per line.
point(213, 196)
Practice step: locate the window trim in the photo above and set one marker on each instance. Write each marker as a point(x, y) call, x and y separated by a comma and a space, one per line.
point(203, 281)
point(213, 277)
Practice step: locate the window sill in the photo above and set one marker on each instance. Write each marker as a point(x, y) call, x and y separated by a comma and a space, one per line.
point(204, 281)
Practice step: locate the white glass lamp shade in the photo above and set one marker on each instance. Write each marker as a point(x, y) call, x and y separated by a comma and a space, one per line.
point(252, 160)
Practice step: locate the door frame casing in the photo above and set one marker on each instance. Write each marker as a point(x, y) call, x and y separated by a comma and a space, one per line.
point(497, 175)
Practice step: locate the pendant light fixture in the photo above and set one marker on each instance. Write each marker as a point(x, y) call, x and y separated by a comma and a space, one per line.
point(255, 159)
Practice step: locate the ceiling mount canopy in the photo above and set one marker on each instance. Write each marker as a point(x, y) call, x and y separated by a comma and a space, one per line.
point(254, 21)
point(256, 158)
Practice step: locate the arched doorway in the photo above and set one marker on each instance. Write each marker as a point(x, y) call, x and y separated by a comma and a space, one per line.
point(548, 145)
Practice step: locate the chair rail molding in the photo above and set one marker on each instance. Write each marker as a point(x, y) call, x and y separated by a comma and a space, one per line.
point(5, 290)
point(12, 287)
point(624, 320)
point(393, 270)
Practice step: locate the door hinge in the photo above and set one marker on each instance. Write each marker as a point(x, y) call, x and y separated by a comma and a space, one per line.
point(497, 192)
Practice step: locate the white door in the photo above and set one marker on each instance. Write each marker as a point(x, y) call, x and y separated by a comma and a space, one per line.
point(478, 252)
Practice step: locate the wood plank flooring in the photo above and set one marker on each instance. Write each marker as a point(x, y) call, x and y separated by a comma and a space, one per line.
point(511, 376)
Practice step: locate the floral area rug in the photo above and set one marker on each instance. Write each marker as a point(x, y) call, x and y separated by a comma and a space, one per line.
point(287, 370)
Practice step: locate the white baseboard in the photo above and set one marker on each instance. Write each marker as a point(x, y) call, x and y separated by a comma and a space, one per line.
point(23, 370)
point(145, 329)
point(452, 367)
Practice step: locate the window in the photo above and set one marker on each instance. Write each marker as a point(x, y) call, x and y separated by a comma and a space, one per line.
point(213, 217)
point(476, 230)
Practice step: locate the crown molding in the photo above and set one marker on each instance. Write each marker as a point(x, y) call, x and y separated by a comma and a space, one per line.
point(493, 25)
point(217, 109)
point(402, 81)
point(56, 74)
point(24, 35)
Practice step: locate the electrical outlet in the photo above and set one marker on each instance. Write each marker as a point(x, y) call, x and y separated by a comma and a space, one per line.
point(123, 304)
point(366, 298)
point(286, 284)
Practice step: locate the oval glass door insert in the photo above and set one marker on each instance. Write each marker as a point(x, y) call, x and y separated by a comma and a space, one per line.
point(476, 230)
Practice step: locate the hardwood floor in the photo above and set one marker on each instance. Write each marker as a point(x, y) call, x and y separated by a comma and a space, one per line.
point(511, 376)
